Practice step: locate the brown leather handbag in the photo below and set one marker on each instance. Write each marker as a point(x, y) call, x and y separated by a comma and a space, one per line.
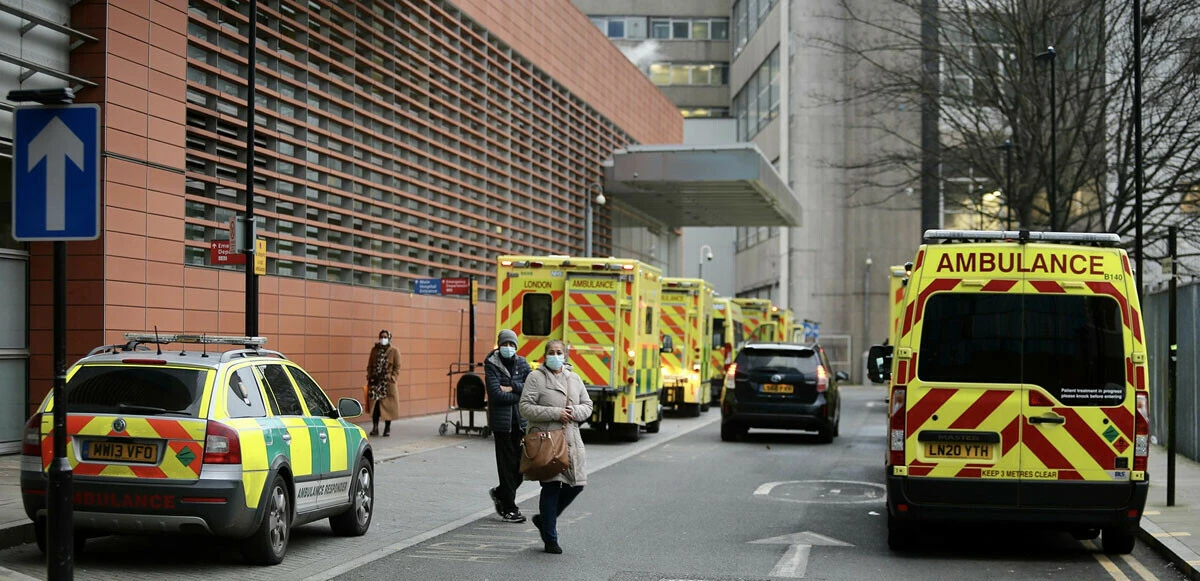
point(544, 454)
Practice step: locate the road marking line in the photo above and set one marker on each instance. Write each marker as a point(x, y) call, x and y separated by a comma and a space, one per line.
point(1139, 568)
point(794, 563)
point(466, 520)
point(1109, 566)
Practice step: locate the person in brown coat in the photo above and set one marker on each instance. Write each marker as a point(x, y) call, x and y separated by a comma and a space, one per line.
point(383, 369)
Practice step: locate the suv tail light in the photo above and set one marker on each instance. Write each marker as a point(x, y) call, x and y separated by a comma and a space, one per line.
point(731, 376)
point(1141, 432)
point(221, 444)
point(31, 443)
point(822, 380)
point(896, 428)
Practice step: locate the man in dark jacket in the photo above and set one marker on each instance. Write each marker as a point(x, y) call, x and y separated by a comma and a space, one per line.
point(505, 372)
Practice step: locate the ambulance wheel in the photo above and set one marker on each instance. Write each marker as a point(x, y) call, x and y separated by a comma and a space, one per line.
point(269, 543)
point(357, 518)
point(626, 432)
point(691, 410)
point(1117, 540)
point(901, 537)
point(655, 426)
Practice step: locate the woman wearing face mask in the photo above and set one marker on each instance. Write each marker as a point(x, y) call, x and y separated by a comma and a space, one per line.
point(383, 369)
point(555, 398)
point(505, 373)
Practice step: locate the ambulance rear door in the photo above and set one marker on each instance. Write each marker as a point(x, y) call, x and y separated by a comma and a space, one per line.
point(591, 326)
point(958, 362)
point(1078, 413)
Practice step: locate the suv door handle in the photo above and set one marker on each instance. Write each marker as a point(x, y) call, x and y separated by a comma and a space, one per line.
point(323, 435)
point(1047, 420)
point(287, 437)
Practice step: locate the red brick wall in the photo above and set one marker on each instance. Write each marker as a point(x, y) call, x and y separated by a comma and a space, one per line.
point(564, 43)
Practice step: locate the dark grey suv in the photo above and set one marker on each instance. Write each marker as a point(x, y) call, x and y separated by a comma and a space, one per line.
point(781, 386)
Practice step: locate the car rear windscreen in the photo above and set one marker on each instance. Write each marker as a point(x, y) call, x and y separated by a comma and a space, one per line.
point(1071, 346)
point(778, 360)
point(141, 390)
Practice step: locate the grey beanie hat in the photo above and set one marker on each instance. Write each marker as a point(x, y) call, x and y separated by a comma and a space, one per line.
point(506, 336)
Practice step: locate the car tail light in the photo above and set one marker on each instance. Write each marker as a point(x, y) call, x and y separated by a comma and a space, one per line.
point(1039, 399)
point(896, 427)
point(221, 445)
point(1141, 433)
point(822, 380)
point(31, 444)
point(731, 376)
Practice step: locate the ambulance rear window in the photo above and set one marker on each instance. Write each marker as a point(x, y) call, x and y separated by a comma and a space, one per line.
point(718, 337)
point(1072, 346)
point(535, 314)
point(138, 390)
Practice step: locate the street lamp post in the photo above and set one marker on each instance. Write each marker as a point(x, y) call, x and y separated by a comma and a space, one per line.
point(704, 256)
point(587, 215)
point(1052, 191)
point(250, 221)
point(1007, 148)
point(1138, 175)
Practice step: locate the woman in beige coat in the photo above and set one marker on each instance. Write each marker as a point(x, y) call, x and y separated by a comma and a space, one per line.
point(556, 399)
point(383, 369)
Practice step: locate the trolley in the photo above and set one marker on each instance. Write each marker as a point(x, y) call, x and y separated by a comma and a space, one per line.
point(468, 395)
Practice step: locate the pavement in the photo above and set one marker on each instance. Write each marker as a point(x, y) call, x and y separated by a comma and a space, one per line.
point(1173, 531)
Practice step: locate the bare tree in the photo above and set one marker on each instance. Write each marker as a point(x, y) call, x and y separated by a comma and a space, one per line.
point(992, 87)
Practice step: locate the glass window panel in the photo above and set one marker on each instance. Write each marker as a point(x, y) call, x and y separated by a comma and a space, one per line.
point(660, 29)
point(681, 74)
point(719, 29)
point(660, 74)
point(700, 30)
point(616, 29)
point(680, 29)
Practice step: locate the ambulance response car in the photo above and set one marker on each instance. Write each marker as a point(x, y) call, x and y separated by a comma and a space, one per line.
point(687, 307)
point(241, 444)
point(757, 319)
point(727, 339)
point(1019, 387)
point(607, 312)
point(785, 323)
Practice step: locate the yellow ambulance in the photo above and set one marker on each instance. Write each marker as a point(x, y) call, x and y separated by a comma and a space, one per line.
point(687, 307)
point(785, 323)
point(1019, 387)
point(757, 322)
point(607, 312)
point(729, 333)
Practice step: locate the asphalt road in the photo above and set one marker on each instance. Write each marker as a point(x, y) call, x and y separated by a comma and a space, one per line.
point(776, 505)
point(680, 504)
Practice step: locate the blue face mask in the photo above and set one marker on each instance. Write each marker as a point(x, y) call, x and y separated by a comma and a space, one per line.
point(555, 362)
point(508, 352)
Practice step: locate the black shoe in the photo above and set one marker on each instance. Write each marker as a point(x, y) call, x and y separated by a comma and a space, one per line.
point(495, 501)
point(553, 548)
point(387, 433)
point(374, 431)
point(513, 517)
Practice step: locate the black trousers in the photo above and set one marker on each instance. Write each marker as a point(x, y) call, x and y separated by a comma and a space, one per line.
point(508, 468)
point(387, 424)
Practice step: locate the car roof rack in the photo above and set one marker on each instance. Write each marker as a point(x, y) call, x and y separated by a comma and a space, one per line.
point(118, 348)
point(1088, 238)
point(229, 355)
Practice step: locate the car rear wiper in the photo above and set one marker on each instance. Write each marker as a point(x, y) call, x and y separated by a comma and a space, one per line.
point(149, 410)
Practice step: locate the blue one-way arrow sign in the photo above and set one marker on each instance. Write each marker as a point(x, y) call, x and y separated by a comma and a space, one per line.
point(56, 172)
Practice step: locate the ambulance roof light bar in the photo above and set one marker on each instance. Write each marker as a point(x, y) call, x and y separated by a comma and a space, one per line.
point(164, 338)
point(1098, 239)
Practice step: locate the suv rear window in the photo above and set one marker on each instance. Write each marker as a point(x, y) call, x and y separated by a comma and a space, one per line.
point(119, 389)
point(778, 360)
point(1071, 346)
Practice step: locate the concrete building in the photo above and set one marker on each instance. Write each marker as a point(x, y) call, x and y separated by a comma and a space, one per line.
point(395, 141)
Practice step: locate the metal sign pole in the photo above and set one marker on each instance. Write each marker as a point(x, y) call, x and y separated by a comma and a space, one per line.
point(1172, 392)
point(59, 512)
point(471, 346)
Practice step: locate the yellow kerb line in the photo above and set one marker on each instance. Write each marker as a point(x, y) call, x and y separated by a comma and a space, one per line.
point(1109, 566)
point(1139, 568)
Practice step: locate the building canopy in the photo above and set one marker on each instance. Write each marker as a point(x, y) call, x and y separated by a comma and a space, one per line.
point(709, 185)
